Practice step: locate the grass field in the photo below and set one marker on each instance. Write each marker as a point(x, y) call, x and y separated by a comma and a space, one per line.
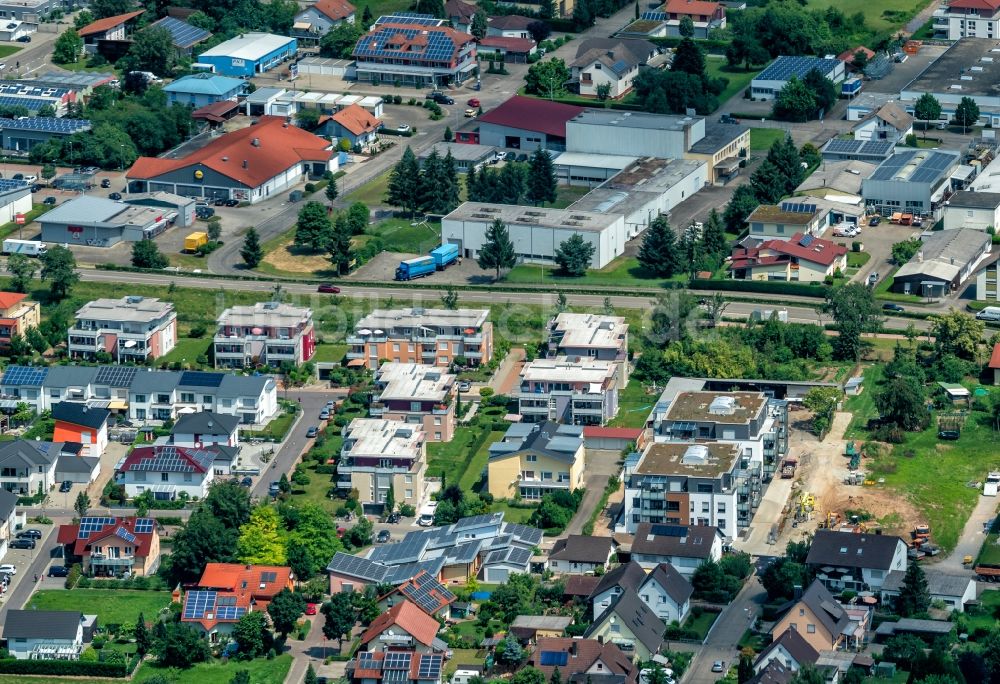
point(330, 352)
point(8, 50)
point(990, 600)
point(512, 514)
point(187, 350)
point(716, 67)
point(453, 458)
point(761, 139)
point(623, 271)
point(880, 16)
point(403, 235)
point(702, 623)
point(862, 406)
point(474, 470)
point(262, 671)
point(112, 607)
point(857, 259)
point(634, 406)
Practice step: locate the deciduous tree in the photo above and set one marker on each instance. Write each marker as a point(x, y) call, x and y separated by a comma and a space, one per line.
point(82, 504)
point(251, 634)
point(967, 113)
point(958, 333)
point(854, 311)
point(262, 541)
point(146, 254)
point(68, 48)
point(22, 270)
point(478, 26)
point(285, 609)
point(902, 401)
point(795, 102)
point(547, 78)
point(927, 109)
point(180, 646)
point(340, 616)
point(59, 269)
point(686, 29)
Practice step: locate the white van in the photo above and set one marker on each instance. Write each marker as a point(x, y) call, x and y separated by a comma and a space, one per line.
point(990, 313)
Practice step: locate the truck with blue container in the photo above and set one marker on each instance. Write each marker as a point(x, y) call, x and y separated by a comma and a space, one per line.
point(445, 255)
point(415, 268)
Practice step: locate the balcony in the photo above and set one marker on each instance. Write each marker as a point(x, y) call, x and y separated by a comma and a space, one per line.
point(99, 559)
point(472, 339)
point(440, 411)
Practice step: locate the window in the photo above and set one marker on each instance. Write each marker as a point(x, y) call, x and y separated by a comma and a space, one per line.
point(408, 479)
point(705, 507)
point(531, 458)
point(414, 406)
point(810, 629)
point(529, 474)
point(164, 477)
point(409, 493)
point(187, 477)
point(645, 598)
point(437, 436)
point(802, 611)
point(615, 628)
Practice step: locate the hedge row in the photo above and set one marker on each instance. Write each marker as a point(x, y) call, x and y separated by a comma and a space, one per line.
point(768, 286)
point(674, 41)
point(71, 668)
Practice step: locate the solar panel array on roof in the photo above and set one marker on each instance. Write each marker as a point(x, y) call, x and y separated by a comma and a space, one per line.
point(268, 576)
point(367, 661)
point(653, 15)
point(397, 660)
point(144, 525)
point(409, 18)
point(550, 658)
point(201, 379)
point(230, 612)
point(806, 240)
point(620, 67)
point(125, 534)
point(798, 207)
point(24, 375)
point(396, 42)
point(783, 68)
point(182, 33)
point(668, 530)
point(863, 147)
point(93, 524)
point(47, 124)
point(357, 567)
point(929, 166)
point(430, 667)
point(197, 603)
point(115, 376)
point(408, 550)
point(426, 592)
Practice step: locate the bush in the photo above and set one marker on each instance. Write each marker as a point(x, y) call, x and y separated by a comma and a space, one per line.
point(486, 392)
point(63, 668)
point(768, 286)
point(407, 511)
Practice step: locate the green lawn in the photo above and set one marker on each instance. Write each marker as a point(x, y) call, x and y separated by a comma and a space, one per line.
point(634, 406)
point(262, 671)
point(371, 193)
point(454, 459)
point(8, 50)
point(276, 429)
point(862, 406)
point(623, 271)
point(187, 350)
point(857, 259)
point(701, 624)
point(761, 139)
point(112, 607)
point(880, 16)
point(984, 617)
point(462, 656)
point(403, 235)
point(330, 352)
point(477, 464)
point(884, 291)
point(716, 67)
point(567, 194)
point(512, 514)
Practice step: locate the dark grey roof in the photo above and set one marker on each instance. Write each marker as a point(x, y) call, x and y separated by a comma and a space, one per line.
point(637, 618)
point(930, 166)
point(79, 414)
point(826, 608)
point(773, 673)
point(23, 453)
point(70, 376)
point(797, 647)
point(967, 199)
point(356, 566)
point(581, 548)
point(243, 385)
point(512, 556)
point(635, 50)
point(76, 464)
point(717, 136)
point(850, 550)
point(915, 626)
point(560, 442)
point(684, 541)
point(205, 423)
point(673, 582)
point(8, 502)
point(523, 534)
point(938, 583)
point(224, 453)
point(42, 624)
point(628, 576)
point(115, 376)
point(149, 382)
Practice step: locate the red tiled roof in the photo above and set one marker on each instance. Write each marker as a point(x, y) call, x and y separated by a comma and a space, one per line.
point(9, 299)
point(819, 251)
point(156, 457)
point(691, 7)
point(525, 45)
point(356, 119)
point(460, 10)
point(991, 5)
point(215, 111)
point(335, 9)
point(280, 147)
point(102, 25)
point(245, 579)
point(995, 357)
point(511, 22)
point(848, 55)
point(612, 432)
point(530, 114)
point(70, 534)
point(407, 616)
point(585, 652)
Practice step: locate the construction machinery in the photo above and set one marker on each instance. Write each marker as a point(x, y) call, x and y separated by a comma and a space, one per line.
point(788, 467)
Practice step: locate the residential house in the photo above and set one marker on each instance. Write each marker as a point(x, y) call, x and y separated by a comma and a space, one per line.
point(510, 26)
point(17, 315)
point(889, 122)
point(578, 588)
point(684, 547)
point(507, 50)
point(265, 334)
point(967, 18)
point(667, 593)
point(822, 621)
point(8, 519)
point(381, 454)
point(130, 329)
point(424, 591)
point(419, 335)
point(111, 29)
point(610, 64)
point(416, 394)
point(590, 336)
point(316, 20)
point(434, 54)
point(629, 624)
point(579, 554)
point(627, 577)
point(994, 363)
point(27, 468)
point(955, 591)
point(568, 390)
point(403, 626)
point(203, 89)
point(790, 650)
point(579, 659)
point(772, 80)
point(184, 35)
point(78, 423)
point(403, 667)
point(534, 459)
point(706, 16)
point(460, 14)
point(167, 471)
point(349, 573)
point(108, 546)
point(789, 218)
point(44, 634)
point(354, 123)
point(205, 429)
point(969, 209)
point(803, 258)
point(858, 562)
point(73, 466)
point(529, 628)
point(165, 395)
point(228, 591)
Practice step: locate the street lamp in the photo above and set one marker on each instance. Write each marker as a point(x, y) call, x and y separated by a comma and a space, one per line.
point(121, 158)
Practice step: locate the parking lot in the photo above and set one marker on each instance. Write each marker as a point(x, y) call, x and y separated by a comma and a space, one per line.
point(22, 560)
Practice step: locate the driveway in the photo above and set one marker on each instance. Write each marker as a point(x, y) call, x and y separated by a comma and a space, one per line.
point(971, 539)
point(726, 634)
point(600, 465)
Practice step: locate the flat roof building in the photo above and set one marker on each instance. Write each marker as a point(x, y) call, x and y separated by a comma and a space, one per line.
point(466, 156)
point(969, 68)
point(768, 83)
point(264, 334)
point(249, 53)
point(945, 260)
point(416, 393)
point(575, 391)
point(99, 222)
point(21, 135)
point(603, 338)
point(134, 329)
point(641, 134)
point(911, 181)
point(440, 337)
point(381, 454)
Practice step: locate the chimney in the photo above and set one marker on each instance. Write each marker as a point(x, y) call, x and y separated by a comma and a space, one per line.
point(920, 257)
point(611, 54)
point(255, 142)
point(245, 163)
point(572, 648)
point(797, 592)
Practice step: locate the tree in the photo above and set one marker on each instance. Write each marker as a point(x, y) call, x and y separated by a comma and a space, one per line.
point(314, 536)
point(905, 250)
point(509, 652)
point(37, 340)
point(478, 26)
point(102, 9)
point(145, 254)
point(48, 172)
point(541, 184)
point(658, 252)
point(340, 617)
point(307, 118)
point(67, 48)
point(59, 268)
point(229, 503)
point(449, 135)
point(528, 675)
point(854, 311)
point(214, 230)
point(339, 41)
point(23, 270)
point(823, 90)
point(573, 255)
point(262, 541)
point(313, 229)
point(914, 597)
point(539, 31)
point(744, 672)
point(310, 677)
point(285, 609)
point(251, 634)
point(967, 113)
point(688, 58)
point(603, 91)
point(438, 187)
point(202, 540)
point(686, 28)
point(795, 102)
point(902, 401)
point(240, 677)
point(82, 504)
point(808, 674)
point(713, 236)
point(252, 253)
point(556, 677)
point(180, 646)
point(497, 251)
point(781, 577)
point(82, 18)
point(957, 333)
point(152, 50)
point(741, 205)
point(449, 300)
point(927, 109)
point(547, 78)
point(339, 245)
point(404, 184)
point(143, 639)
point(435, 8)
point(822, 401)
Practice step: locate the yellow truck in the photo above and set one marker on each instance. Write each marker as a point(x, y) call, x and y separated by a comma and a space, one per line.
point(195, 240)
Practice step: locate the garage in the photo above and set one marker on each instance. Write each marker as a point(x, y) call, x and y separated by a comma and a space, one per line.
point(77, 469)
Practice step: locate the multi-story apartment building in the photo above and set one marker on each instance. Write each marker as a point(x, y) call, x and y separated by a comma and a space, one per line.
point(580, 392)
point(265, 334)
point(135, 329)
point(439, 337)
point(379, 454)
point(968, 19)
point(591, 336)
point(17, 315)
point(417, 394)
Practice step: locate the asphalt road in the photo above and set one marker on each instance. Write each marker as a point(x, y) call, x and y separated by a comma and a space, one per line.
point(725, 635)
point(29, 564)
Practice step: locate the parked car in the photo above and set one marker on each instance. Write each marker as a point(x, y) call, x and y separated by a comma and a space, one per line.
point(204, 212)
point(274, 488)
point(383, 536)
point(874, 220)
point(324, 414)
point(873, 279)
point(221, 202)
point(31, 178)
point(232, 202)
point(36, 187)
point(892, 307)
point(470, 113)
point(441, 98)
point(58, 571)
point(23, 543)
point(24, 39)
point(403, 128)
point(312, 608)
point(29, 534)
point(426, 520)
point(464, 386)
point(114, 195)
point(49, 200)
point(718, 666)
point(393, 518)
point(473, 102)
point(327, 288)
point(66, 486)
point(17, 176)
point(246, 482)
point(106, 183)
point(312, 432)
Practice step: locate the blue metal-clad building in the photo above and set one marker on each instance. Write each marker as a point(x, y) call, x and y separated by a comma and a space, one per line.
point(249, 54)
point(203, 89)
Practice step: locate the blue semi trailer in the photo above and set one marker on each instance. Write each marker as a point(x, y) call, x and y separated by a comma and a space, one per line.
point(415, 268)
point(445, 255)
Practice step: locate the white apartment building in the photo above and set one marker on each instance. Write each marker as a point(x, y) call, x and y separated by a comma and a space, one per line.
point(379, 454)
point(265, 334)
point(418, 335)
point(574, 391)
point(591, 336)
point(416, 394)
point(967, 18)
point(135, 329)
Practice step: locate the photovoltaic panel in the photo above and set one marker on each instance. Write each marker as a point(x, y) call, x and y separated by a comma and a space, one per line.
point(396, 660)
point(653, 15)
point(93, 524)
point(550, 658)
point(806, 240)
point(47, 124)
point(798, 207)
point(24, 375)
point(430, 667)
point(197, 603)
point(183, 34)
point(115, 376)
point(268, 576)
point(367, 661)
point(125, 534)
point(230, 612)
point(201, 379)
point(668, 530)
point(144, 525)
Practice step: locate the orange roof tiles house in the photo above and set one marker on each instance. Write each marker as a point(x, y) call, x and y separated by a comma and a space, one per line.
point(228, 591)
point(803, 258)
point(353, 122)
point(425, 591)
point(109, 28)
point(403, 625)
point(17, 314)
point(415, 55)
point(705, 15)
point(109, 546)
point(318, 19)
point(250, 164)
